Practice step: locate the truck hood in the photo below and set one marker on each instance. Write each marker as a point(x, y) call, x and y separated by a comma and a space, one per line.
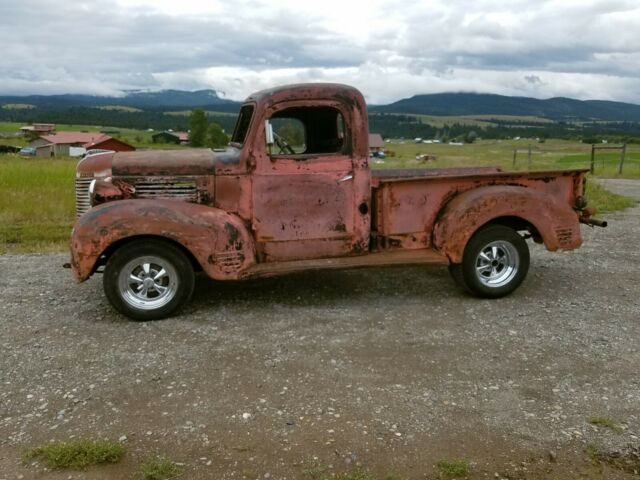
point(172, 162)
point(150, 163)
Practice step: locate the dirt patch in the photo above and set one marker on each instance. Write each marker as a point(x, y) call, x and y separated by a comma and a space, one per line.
point(626, 459)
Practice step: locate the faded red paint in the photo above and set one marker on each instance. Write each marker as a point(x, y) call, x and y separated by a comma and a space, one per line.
point(244, 212)
point(218, 241)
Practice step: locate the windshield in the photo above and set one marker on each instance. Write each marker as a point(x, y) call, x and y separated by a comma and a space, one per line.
point(242, 124)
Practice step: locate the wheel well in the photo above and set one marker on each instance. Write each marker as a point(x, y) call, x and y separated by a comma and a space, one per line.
point(104, 256)
point(518, 224)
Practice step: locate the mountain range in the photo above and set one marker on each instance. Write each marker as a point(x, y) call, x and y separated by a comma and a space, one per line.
point(558, 108)
point(440, 104)
point(138, 99)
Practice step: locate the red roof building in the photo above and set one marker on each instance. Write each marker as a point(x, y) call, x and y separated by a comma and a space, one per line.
point(62, 142)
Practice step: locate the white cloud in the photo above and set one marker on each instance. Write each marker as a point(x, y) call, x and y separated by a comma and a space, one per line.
point(389, 49)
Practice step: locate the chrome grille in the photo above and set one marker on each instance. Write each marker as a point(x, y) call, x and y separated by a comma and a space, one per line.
point(82, 195)
point(183, 189)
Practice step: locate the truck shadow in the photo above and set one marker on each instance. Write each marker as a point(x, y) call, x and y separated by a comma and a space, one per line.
point(415, 284)
point(322, 288)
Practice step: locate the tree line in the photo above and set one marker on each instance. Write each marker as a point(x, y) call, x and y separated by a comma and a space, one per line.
point(388, 125)
point(205, 134)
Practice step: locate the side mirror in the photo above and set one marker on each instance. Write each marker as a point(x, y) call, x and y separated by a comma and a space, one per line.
point(268, 130)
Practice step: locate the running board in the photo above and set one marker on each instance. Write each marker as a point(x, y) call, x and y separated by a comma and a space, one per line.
point(381, 259)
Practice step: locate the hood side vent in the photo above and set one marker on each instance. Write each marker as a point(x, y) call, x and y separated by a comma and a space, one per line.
point(166, 188)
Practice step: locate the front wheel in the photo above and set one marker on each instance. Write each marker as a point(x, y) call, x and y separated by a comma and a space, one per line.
point(148, 279)
point(494, 263)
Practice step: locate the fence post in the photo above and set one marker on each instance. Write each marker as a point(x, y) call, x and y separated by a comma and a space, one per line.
point(515, 152)
point(593, 159)
point(529, 164)
point(624, 149)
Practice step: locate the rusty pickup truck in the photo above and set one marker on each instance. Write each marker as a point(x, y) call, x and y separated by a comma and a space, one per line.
point(294, 191)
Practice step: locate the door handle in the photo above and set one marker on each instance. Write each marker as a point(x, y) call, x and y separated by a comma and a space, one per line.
point(347, 177)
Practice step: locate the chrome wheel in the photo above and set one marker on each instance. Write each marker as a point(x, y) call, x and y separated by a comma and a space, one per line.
point(148, 282)
point(497, 264)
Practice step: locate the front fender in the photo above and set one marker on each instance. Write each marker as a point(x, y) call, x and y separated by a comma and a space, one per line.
point(218, 240)
point(556, 222)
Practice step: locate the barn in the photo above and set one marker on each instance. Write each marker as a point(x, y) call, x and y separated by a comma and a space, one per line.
point(171, 137)
point(376, 143)
point(35, 130)
point(75, 143)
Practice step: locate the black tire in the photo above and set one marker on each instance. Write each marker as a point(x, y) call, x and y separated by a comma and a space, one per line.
point(164, 279)
point(455, 270)
point(494, 263)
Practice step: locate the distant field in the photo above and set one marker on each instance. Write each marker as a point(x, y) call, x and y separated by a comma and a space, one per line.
point(10, 127)
point(475, 120)
point(184, 113)
point(119, 108)
point(440, 121)
point(553, 154)
point(18, 106)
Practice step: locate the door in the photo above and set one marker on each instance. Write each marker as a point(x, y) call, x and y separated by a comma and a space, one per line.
point(303, 187)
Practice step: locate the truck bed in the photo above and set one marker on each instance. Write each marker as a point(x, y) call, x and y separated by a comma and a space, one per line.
point(406, 203)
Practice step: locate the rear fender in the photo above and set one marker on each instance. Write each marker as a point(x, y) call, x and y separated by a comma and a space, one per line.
point(556, 222)
point(218, 240)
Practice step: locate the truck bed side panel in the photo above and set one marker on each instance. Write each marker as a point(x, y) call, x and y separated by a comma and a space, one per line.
point(408, 208)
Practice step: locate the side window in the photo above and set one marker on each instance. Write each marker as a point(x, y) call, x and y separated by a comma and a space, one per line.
point(309, 130)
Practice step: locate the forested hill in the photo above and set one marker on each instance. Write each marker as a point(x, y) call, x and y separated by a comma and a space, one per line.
point(175, 99)
point(559, 108)
point(440, 104)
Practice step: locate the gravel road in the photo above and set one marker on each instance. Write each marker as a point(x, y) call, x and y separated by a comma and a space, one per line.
point(388, 369)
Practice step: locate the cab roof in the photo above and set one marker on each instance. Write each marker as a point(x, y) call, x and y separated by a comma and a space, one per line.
point(302, 91)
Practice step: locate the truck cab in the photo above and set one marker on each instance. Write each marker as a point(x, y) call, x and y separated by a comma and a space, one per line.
point(310, 200)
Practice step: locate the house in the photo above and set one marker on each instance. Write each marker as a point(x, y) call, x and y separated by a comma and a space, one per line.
point(376, 144)
point(37, 129)
point(179, 138)
point(76, 143)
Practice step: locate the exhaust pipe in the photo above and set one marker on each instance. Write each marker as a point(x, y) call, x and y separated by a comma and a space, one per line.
point(594, 222)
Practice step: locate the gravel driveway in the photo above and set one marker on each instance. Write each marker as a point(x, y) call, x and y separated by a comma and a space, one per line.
point(388, 369)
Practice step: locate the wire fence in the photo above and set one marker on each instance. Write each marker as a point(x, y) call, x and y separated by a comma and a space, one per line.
point(602, 159)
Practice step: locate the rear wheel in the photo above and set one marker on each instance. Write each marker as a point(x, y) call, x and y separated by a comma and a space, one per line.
point(148, 279)
point(494, 263)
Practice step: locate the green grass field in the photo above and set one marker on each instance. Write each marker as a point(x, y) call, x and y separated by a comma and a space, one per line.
point(37, 196)
point(552, 155)
point(440, 121)
point(36, 203)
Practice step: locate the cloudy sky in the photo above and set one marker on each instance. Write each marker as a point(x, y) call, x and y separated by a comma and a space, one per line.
point(389, 49)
